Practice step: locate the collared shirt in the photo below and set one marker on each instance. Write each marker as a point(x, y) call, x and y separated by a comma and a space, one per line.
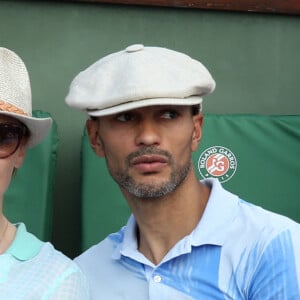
point(33, 270)
point(237, 251)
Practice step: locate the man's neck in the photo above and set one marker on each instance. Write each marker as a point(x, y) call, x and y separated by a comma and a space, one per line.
point(163, 222)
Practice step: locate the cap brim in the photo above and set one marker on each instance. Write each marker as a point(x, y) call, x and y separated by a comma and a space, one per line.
point(38, 127)
point(193, 100)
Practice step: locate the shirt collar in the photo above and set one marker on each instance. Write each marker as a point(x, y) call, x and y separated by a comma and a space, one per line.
point(220, 211)
point(25, 245)
point(129, 246)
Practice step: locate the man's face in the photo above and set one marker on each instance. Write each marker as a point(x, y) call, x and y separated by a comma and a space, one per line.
point(147, 150)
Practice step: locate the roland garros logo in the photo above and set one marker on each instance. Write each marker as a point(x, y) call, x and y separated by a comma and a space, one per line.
point(218, 162)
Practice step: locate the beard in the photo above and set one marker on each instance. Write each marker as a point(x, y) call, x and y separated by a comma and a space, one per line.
point(153, 189)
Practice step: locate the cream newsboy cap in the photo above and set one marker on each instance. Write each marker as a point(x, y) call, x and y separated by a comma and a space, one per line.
point(139, 76)
point(15, 96)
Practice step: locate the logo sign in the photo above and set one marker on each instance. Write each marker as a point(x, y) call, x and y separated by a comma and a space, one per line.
point(218, 162)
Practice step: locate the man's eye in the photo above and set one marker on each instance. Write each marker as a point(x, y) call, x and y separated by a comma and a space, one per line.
point(170, 114)
point(125, 117)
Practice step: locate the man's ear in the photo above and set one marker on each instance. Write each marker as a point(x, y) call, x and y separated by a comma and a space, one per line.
point(197, 132)
point(92, 127)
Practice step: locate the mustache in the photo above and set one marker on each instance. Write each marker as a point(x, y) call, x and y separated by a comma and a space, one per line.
point(148, 151)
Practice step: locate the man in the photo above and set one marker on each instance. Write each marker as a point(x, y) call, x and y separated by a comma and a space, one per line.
point(185, 239)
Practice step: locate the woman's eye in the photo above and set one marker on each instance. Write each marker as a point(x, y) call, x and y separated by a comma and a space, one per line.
point(170, 114)
point(125, 117)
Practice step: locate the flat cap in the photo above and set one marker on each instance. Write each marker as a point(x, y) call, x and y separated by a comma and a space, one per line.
point(139, 76)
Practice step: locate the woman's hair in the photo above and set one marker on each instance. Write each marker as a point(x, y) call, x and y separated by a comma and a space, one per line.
point(25, 138)
point(27, 132)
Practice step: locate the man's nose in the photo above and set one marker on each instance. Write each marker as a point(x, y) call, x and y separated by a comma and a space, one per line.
point(148, 133)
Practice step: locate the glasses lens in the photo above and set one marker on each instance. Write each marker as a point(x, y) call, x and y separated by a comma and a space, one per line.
point(10, 137)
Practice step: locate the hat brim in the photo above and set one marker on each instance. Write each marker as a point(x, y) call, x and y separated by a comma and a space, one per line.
point(38, 127)
point(193, 100)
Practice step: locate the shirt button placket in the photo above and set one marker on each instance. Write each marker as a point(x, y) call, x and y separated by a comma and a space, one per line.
point(155, 287)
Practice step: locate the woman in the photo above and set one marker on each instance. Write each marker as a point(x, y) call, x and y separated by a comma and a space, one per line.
point(29, 268)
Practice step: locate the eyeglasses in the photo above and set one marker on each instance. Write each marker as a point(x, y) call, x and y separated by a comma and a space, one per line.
point(10, 138)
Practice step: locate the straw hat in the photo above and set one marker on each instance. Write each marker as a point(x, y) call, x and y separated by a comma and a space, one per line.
point(139, 76)
point(15, 96)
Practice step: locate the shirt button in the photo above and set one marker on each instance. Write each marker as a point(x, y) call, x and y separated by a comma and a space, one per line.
point(157, 278)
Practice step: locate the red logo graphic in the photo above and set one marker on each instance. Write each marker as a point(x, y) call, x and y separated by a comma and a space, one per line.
point(217, 164)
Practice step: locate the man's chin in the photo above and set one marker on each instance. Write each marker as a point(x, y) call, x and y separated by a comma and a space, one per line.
point(149, 191)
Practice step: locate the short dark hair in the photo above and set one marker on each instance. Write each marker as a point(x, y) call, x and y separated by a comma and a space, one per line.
point(195, 109)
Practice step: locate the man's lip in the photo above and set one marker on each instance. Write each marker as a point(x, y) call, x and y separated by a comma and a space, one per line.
point(148, 159)
point(149, 164)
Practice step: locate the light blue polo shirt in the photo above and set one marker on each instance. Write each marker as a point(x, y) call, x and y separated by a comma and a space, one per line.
point(237, 251)
point(33, 270)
